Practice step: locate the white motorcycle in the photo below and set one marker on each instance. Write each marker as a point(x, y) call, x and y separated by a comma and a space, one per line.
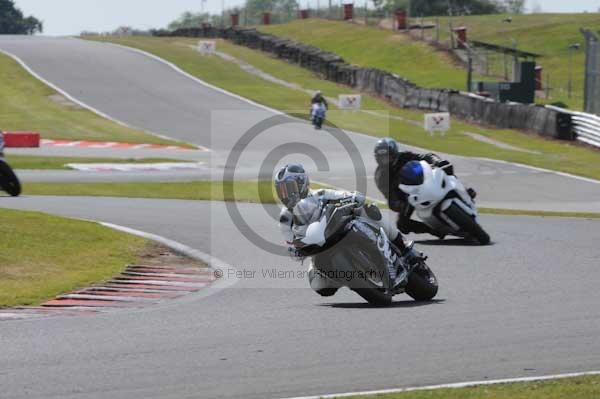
point(441, 201)
point(349, 251)
point(317, 115)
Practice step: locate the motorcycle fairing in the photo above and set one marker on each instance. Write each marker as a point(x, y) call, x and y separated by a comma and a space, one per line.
point(436, 194)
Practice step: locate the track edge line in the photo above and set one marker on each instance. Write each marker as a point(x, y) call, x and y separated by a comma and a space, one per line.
point(96, 111)
point(455, 385)
point(221, 283)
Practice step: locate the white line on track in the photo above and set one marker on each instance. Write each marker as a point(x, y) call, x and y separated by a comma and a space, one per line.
point(267, 108)
point(84, 105)
point(248, 101)
point(563, 174)
point(195, 79)
point(450, 386)
point(218, 285)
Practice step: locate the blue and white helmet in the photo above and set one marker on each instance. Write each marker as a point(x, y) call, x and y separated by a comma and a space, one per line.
point(292, 184)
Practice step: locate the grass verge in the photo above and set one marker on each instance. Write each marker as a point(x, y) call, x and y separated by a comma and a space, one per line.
point(27, 104)
point(378, 118)
point(377, 48)
point(241, 191)
point(45, 163)
point(384, 49)
point(42, 256)
point(547, 34)
point(522, 212)
point(587, 387)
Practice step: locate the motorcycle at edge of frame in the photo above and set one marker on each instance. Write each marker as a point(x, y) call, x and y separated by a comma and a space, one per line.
point(9, 181)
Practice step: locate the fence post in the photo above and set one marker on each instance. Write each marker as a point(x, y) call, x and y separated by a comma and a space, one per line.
point(348, 11)
point(592, 73)
point(235, 19)
point(266, 18)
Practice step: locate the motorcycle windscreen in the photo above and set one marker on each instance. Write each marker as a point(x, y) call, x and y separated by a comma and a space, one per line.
point(412, 174)
point(288, 192)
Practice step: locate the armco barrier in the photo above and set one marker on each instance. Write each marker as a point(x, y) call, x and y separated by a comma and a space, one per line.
point(586, 126)
point(21, 139)
point(394, 88)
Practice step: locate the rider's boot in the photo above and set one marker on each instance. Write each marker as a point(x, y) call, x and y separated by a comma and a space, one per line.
point(400, 244)
point(412, 258)
point(409, 259)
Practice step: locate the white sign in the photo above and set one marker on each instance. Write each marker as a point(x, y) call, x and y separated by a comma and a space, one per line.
point(207, 47)
point(350, 101)
point(437, 122)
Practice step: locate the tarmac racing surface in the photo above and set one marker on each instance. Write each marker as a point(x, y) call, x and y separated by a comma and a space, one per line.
point(149, 94)
point(526, 305)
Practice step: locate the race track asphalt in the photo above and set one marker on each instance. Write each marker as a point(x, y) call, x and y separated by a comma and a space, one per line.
point(146, 93)
point(526, 305)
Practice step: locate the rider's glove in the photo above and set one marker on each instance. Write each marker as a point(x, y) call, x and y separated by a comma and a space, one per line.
point(396, 205)
point(359, 198)
point(446, 166)
point(373, 212)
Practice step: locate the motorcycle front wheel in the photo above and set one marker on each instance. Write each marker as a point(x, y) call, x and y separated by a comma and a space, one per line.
point(8, 180)
point(468, 224)
point(422, 284)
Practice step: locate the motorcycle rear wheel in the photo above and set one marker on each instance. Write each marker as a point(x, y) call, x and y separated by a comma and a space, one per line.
point(468, 224)
point(8, 180)
point(422, 284)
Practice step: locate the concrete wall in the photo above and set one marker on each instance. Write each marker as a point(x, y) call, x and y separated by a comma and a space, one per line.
point(394, 88)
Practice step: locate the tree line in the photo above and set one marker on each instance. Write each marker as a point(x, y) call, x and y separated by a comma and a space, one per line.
point(427, 8)
point(285, 10)
point(13, 22)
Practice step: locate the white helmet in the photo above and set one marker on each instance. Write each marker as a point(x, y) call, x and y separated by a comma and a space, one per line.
point(291, 184)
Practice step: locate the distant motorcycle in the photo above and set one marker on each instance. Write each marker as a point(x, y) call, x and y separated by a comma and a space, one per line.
point(317, 115)
point(8, 179)
point(441, 201)
point(351, 252)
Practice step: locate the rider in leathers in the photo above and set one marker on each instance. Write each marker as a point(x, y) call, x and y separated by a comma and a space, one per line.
point(319, 99)
point(390, 162)
point(304, 207)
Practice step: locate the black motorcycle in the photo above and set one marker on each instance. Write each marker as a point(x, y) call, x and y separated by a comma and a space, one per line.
point(9, 181)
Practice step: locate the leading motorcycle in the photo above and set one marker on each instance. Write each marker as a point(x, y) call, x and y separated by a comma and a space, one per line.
point(350, 251)
point(441, 201)
point(317, 115)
